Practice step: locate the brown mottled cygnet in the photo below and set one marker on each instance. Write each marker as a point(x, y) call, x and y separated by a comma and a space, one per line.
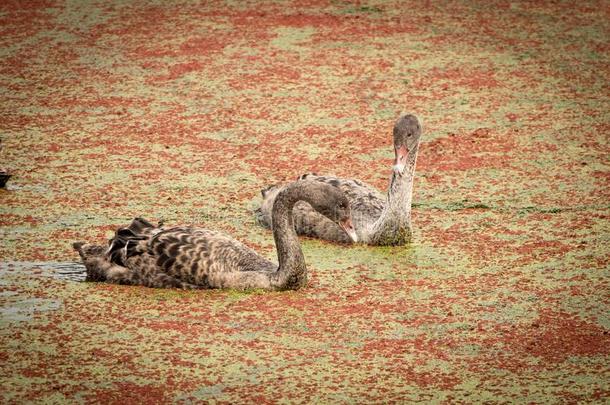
point(377, 220)
point(192, 258)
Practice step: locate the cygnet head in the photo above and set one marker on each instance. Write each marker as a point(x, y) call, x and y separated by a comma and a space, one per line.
point(407, 133)
point(331, 202)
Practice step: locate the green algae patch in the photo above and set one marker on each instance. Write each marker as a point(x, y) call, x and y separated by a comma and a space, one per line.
point(290, 39)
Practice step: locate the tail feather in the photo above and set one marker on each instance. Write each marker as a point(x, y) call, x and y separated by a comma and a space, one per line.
point(126, 240)
point(94, 258)
point(139, 225)
point(86, 250)
point(78, 246)
point(108, 264)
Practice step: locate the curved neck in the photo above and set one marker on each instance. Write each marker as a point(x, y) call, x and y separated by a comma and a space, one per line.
point(292, 272)
point(394, 225)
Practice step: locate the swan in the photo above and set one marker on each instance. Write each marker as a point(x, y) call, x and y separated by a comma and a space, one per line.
point(377, 220)
point(196, 258)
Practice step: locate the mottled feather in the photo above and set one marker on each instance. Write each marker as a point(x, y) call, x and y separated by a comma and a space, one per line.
point(377, 220)
point(366, 204)
point(190, 257)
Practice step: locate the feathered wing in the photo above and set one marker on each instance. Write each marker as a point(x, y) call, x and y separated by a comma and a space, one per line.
point(197, 256)
point(182, 257)
point(100, 268)
point(366, 205)
point(366, 202)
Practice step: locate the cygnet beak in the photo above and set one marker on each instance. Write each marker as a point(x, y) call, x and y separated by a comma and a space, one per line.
point(400, 159)
point(348, 227)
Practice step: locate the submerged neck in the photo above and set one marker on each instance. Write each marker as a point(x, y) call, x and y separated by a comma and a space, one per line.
point(292, 272)
point(394, 225)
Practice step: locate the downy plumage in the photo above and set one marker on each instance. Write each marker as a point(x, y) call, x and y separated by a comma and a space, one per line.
point(191, 258)
point(377, 220)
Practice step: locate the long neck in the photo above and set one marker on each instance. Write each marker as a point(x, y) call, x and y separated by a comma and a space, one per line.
point(292, 272)
point(394, 225)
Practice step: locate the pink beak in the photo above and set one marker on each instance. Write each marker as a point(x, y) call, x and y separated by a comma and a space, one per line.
point(348, 227)
point(400, 158)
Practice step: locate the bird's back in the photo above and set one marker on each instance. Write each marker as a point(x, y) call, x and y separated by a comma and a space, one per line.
point(180, 257)
point(194, 255)
point(366, 204)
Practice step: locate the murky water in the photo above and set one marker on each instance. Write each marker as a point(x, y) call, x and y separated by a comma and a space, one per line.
point(16, 307)
point(71, 271)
